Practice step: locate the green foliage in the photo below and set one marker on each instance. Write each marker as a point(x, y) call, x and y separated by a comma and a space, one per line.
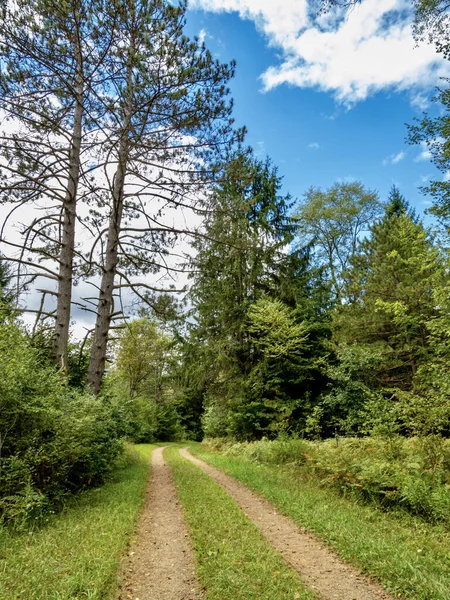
point(141, 385)
point(278, 345)
point(6, 293)
point(259, 358)
point(383, 333)
point(432, 24)
point(353, 404)
point(143, 354)
point(52, 441)
point(78, 552)
point(333, 221)
point(275, 334)
point(425, 409)
point(78, 355)
point(260, 313)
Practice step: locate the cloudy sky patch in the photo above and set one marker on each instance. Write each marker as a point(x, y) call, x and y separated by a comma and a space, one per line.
point(353, 55)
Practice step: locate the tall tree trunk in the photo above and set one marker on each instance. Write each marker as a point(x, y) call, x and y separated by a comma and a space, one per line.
point(105, 301)
point(65, 275)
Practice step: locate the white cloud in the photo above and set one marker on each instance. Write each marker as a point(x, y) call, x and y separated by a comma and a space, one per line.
point(420, 100)
point(425, 153)
point(203, 35)
point(393, 159)
point(352, 54)
point(347, 179)
point(314, 145)
point(281, 20)
point(260, 148)
point(398, 157)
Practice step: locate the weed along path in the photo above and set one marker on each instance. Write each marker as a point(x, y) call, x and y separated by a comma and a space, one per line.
point(322, 571)
point(160, 564)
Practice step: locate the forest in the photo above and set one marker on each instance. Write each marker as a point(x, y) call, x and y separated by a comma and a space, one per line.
point(221, 307)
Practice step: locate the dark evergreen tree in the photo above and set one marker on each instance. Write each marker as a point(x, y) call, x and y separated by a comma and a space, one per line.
point(7, 294)
point(253, 308)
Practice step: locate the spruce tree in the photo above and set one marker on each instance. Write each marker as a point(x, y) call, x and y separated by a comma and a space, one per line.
point(392, 289)
point(255, 330)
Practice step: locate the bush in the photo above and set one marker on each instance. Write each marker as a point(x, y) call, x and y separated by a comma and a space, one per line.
point(52, 441)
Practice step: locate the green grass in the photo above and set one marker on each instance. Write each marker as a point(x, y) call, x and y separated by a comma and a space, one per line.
point(406, 554)
point(77, 554)
point(234, 561)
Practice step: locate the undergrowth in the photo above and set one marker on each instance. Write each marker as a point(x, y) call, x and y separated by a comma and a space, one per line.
point(410, 473)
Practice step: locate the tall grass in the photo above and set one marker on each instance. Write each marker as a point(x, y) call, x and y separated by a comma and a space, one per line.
point(407, 554)
point(77, 554)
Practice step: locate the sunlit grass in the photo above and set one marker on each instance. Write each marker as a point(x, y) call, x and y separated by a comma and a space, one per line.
point(77, 554)
point(406, 554)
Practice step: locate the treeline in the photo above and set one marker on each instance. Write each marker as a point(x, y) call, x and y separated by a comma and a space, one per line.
point(334, 320)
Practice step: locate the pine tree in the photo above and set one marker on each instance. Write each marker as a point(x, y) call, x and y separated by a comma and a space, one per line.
point(170, 124)
point(51, 87)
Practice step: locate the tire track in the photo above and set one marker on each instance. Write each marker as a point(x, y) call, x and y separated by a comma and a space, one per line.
point(319, 568)
point(161, 564)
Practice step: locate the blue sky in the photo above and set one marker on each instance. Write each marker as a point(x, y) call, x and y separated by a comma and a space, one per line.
point(327, 99)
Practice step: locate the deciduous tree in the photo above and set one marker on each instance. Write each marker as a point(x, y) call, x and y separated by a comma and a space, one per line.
point(334, 221)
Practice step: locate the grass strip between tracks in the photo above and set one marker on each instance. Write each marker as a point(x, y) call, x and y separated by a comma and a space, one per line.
point(407, 555)
point(77, 554)
point(234, 561)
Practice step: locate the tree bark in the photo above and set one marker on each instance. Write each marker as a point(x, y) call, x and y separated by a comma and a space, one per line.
point(105, 301)
point(66, 255)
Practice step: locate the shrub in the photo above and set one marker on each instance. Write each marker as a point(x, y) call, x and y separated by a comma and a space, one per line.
point(53, 441)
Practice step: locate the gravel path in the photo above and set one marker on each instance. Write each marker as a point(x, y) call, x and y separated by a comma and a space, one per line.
point(321, 570)
point(160, 565)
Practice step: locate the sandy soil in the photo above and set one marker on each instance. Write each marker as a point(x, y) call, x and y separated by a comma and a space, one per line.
point(319, 569)
point(160, 564)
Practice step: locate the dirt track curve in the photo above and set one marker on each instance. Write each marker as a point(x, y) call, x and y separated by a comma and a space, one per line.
point(160, 565)
point(322, 571)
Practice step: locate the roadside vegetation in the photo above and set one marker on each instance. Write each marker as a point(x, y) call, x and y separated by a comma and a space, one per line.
point(234, 561)
point(78, 552)
point(406, 554)
point(412, 474)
